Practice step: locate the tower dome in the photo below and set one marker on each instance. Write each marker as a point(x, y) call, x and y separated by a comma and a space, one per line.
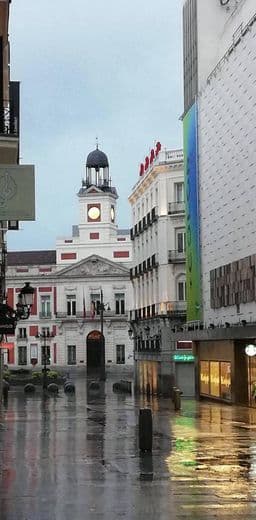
point(97, 159)
point(97, 169)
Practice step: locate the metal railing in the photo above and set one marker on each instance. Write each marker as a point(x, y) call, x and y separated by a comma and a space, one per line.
point(176, 257)
point(176, 207)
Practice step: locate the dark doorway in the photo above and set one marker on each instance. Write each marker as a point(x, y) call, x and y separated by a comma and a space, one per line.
point(95, 351)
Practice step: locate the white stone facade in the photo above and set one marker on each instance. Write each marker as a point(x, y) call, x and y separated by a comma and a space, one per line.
point(87, 268)
point(158, 273)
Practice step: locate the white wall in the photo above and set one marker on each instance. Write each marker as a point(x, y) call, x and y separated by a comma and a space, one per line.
point(216, 27)
point(227, 162)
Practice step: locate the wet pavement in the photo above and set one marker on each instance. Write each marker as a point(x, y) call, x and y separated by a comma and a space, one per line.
point(77, 457)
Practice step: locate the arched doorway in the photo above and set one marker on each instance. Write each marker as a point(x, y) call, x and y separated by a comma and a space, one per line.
point(95, 350)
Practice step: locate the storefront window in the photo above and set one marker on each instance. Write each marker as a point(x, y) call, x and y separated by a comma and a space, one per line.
point(225, 380)
point(215, 378)
point(204, 377)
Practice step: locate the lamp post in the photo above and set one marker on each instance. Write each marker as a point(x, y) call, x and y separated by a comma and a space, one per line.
point(102, 308)
point(10, 316)
point(45, 337)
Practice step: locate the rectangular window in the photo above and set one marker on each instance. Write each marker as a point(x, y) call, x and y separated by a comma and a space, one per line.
point(179, 191)
point(22, 355)
point(120, 303)
point(71, 305)
point(71, 354)
point(225, 380)
point(120, 354)
point(182, 291)
point(95, 303)
point(45, 306)
point(45, 331)
point(204, 377)
point(215, 378)
point(45, 354)
point(181, 241)
point(22, 332)
point(33, 353)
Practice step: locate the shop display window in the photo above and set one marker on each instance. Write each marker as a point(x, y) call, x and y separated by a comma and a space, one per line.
point(215, 379)
point(204, 377)
point(225, 380)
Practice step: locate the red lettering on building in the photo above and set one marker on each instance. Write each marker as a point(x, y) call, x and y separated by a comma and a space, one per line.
point(45, 289)
point(149, 160)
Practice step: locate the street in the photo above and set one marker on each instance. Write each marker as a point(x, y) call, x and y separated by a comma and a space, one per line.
point(77, 457)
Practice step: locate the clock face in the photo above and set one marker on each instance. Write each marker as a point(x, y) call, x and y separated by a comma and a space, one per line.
point(94, 213)
point(112, 213)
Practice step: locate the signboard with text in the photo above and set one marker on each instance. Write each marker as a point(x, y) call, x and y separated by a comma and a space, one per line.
point(17, 192)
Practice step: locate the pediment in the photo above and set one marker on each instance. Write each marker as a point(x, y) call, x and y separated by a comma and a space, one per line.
point(93, 189)
point(94, 266)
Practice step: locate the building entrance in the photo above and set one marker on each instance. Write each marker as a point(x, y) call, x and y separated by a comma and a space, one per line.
point(95, 350)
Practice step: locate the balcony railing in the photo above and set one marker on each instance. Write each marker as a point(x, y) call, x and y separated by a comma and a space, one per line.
point(176, 207)
point(45, 315)
point(89, 315)
point(176, 257)
point(172, 308)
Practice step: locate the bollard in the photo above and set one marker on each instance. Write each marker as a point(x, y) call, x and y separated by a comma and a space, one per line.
point(53, 388)
point(29, 388)
point(69, 387)
point(176, 399)
point(145, 429)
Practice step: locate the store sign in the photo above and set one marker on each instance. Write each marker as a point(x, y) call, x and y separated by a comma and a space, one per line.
point(150, 158)
point(17, 192)
point(183, 358)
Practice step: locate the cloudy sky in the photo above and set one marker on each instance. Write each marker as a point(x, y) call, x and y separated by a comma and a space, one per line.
point(111, 69)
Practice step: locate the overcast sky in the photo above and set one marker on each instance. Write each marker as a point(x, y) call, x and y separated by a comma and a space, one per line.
point(111, 69)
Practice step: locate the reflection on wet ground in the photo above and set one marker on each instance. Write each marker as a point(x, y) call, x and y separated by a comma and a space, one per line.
point(76, 456)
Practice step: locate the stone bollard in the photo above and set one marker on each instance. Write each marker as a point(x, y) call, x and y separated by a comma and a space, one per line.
point(53, 388)
point(29, 388)
point(177, 399)
point(145, 430)
point(69, 387)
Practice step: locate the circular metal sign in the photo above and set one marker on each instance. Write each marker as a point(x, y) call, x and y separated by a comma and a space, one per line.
point(250, 350)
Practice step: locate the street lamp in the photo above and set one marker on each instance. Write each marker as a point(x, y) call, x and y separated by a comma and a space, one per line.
point(10, 316)
point(101, 308)
point(44, 336)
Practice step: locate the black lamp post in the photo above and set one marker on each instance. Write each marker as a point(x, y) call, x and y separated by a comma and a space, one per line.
point(102, 308)
point(44, 336)
point(10, 316)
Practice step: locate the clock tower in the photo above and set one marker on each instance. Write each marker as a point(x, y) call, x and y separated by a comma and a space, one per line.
point(97, 231)
point(97, 199)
